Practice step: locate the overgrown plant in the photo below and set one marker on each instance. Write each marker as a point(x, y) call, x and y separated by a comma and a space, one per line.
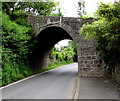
point(18, 38)
point(65, 53)
point(106, 32)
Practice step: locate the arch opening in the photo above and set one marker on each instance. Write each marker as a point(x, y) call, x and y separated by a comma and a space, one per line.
point(46, 40)
point(64, 51)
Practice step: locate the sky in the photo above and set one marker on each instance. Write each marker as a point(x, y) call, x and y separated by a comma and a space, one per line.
point(69, 9)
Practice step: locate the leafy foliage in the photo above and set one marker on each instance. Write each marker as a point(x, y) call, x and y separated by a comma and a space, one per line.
point(59, 13)
point(15, 48)
point(66, 53)
point(41, 8)
point(81, 8)
point(106, 31)
point(18, 37)
point(15, 37)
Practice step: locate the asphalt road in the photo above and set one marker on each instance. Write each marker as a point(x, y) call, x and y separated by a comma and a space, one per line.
point(97, 88)
point(59, 84)
point(56, 84)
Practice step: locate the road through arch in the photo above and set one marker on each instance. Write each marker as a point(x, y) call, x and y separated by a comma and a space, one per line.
point(54, 29)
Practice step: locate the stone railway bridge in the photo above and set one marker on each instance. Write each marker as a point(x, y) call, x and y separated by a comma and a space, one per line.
point(51, 30)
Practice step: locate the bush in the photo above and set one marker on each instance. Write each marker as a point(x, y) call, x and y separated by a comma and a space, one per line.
point(106, 32)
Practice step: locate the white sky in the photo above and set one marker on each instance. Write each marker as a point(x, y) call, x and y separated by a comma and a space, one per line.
point(69, 9)
point(62, 43)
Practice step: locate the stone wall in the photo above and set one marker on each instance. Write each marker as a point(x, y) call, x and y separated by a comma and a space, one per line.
point(88, 63)
point(116, 74)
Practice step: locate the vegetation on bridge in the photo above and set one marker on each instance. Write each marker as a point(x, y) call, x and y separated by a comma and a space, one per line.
point(106, 31)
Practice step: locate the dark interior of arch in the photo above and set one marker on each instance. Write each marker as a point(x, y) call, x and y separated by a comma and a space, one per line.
point(46, 40)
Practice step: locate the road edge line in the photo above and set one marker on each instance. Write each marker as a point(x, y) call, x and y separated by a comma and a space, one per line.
point(21, 80)
point(75, 90)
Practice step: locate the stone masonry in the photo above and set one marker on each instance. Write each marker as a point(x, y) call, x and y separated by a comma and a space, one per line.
point(88, 63)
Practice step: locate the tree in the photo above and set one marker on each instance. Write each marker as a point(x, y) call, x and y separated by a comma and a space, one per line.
point(41, 8)
point(18, 37)
point(66, 53)
point(59, 13)
point(74, 47)
point(8, 7)
point(81, 8)
point(106, 32)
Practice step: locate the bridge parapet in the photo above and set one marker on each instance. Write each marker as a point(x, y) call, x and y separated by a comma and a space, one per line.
point(74, 22)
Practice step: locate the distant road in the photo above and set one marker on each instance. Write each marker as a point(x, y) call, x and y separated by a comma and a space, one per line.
point(55, 84)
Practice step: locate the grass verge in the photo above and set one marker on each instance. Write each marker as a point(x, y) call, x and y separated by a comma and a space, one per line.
point(52, 66)
point(15, 76)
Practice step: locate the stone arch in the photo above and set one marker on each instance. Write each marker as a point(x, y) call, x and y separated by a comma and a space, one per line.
point(70, 31)
point(47, 38)
point(73, 33)
point(88, 63)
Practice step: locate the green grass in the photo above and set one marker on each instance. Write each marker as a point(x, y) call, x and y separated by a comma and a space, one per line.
point(53, 66)
point(11, 74)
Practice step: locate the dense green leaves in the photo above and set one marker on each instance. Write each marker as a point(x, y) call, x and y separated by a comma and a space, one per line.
point(65, 53)
point(41, 8)
point(15, 48)
point(18, 37)
point(109, 11)
point(14, 36)
point(106, 31)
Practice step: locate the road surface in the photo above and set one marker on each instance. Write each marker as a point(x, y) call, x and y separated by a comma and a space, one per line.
point(97, 88)
point(56, 84)
point(59, 84)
